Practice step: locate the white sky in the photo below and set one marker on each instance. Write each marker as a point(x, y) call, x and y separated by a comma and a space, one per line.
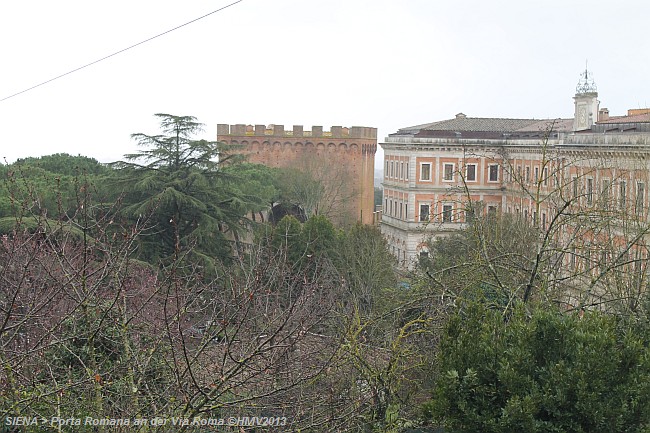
point(380, 63)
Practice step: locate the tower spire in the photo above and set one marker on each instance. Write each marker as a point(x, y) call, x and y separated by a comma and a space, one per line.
point(586, 82)
point(585, 101)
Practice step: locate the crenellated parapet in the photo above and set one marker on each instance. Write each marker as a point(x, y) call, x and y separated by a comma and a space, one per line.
point(278, 131)
point(341, 157)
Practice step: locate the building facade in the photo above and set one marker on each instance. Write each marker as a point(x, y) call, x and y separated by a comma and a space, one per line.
point(438, 176)
point(342, 160)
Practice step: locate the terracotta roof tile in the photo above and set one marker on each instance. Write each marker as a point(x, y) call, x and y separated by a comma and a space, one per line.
point(558, 125)
point(639, 118)
point(489, 124)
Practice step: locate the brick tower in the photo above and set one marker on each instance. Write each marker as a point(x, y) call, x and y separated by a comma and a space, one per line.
point(343, 159)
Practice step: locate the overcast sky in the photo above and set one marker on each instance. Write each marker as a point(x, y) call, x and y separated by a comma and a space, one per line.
point(381, 63)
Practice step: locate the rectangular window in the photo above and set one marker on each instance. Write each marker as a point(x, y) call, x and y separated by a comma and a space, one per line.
point(492, 211)
point(406, 171)
point(527, 180)
point(425, 171)
point(446, 213)
point(624, 260)
point(536, 174)
point(637, 270)
point(604, 194)
point(386, 172)
point(604, 260)
point(406, 210)
point(493, 173)
point(640, 197)
point(622, 194)
point(518, 174)
point(470, 172)
point(448, 172)
point(401, 170)
point(469, 214)
point(424, 212)
point(590, 191)
point(386, 206)
point(391, 207)
point(392, 169)
point(574, 184)
point(573, 256)
point(401, 215)
point(545, 176)
point(544, 220)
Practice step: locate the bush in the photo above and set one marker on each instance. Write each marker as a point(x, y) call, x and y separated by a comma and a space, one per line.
point(551, 372)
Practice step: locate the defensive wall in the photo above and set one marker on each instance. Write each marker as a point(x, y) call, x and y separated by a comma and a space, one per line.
point(348, 152)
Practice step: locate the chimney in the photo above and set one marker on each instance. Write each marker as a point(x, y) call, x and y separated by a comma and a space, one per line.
point(461, 116)
point(603, 114)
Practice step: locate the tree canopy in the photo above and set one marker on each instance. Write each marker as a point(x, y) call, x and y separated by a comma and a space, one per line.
point(196, 204)
point(551, 372)
point(66, 164)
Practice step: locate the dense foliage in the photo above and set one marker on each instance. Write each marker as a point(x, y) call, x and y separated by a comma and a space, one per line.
point(182, 184)
point(47, 186)
point(65, 164)
point(548, 372)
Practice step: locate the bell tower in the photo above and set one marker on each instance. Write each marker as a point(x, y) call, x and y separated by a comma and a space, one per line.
point(586, 102)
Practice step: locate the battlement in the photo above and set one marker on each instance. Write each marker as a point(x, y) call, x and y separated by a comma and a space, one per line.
point(241, 130)
point(345, 155)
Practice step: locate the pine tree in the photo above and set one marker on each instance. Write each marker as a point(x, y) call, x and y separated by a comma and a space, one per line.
point(181, 182)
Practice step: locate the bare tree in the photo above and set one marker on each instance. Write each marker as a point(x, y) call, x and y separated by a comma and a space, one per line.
point(321, 187)
point(87, 331)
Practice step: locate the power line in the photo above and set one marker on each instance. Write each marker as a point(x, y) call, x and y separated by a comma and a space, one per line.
point(121, 51)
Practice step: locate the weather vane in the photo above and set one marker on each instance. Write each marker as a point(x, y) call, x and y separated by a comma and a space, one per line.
point(586, 83)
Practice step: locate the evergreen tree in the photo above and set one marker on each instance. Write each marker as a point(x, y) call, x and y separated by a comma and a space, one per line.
point(66, 164)
point(542, 372)
point(181, 182)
